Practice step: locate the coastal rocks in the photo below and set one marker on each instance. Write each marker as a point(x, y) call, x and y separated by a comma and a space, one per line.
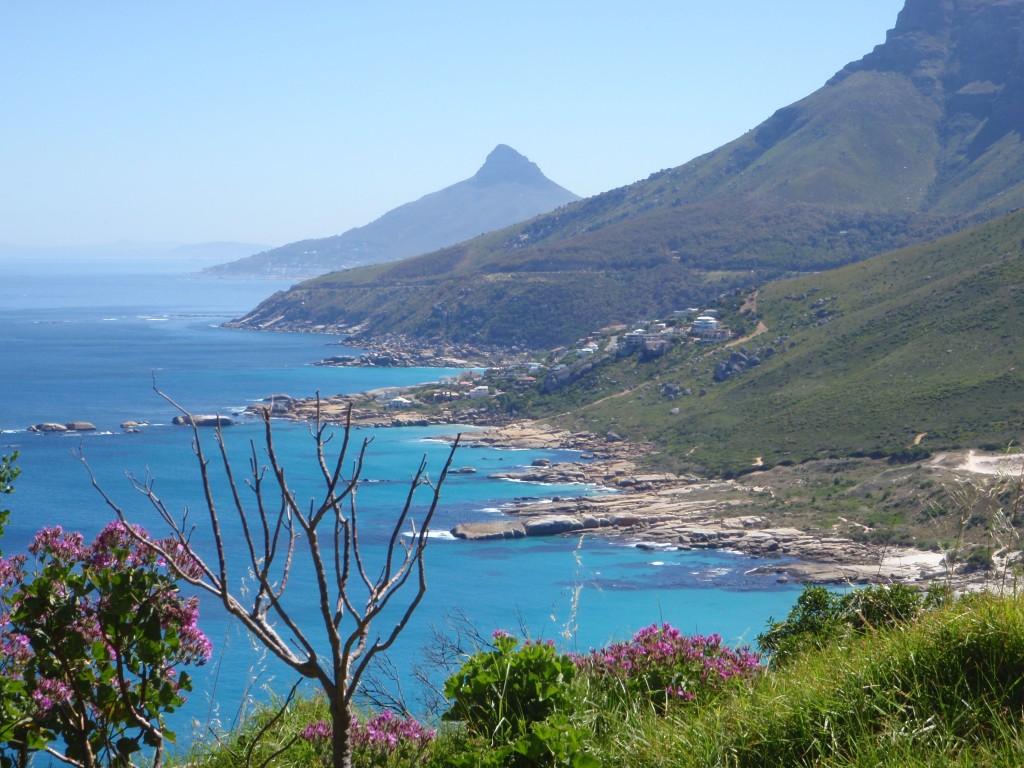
point(489, 531)
point(71, 426)
point(279, 405)
point(405, 353)
point(547, 525)
point(48, 426)
point(910, 567)
point(203, 421)
point(559, 474)
point(80, 426)
point(552, 526)
point(664, 516)
point(645, 480)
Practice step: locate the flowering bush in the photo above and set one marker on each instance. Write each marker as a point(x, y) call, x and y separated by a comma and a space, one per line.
point(91, 639)
point(383, 740)
point(663, 665)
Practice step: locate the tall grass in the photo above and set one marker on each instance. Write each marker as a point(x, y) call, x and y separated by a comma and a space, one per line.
point(946, 690)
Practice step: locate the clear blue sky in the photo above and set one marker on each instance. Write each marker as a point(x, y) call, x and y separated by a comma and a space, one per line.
point(270, 122)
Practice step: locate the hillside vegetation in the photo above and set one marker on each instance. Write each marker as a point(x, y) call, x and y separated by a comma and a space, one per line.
point(913, 350)
point(502, 290)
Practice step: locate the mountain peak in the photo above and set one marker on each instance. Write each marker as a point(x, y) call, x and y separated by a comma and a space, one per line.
point(504, 165)
point(930, 16)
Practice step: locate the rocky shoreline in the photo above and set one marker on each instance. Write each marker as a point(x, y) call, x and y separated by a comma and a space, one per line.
point(648, 510)
point(665, 511)
point(395, 350)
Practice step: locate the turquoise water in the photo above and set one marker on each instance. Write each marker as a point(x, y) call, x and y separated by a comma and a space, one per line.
point(85, 344)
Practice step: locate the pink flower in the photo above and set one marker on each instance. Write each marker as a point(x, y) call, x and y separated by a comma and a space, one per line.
point(318, 731)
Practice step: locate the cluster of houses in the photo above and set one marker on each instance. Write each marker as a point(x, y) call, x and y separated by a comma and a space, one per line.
point(652, 337)
point(465, 385)
point(705, 327)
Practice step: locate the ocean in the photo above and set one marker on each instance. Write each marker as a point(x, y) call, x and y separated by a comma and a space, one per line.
point(86, 342)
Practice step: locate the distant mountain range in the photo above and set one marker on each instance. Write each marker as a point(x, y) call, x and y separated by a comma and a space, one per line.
point(507, 189)
point(920, 138)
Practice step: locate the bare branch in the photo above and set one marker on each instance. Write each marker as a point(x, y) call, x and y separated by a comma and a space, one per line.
point(349, 600)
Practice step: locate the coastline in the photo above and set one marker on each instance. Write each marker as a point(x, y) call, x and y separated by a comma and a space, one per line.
point(671, 512)
point(648, 510)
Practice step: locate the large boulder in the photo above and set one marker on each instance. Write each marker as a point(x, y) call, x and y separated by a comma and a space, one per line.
point(552, 526)
point(48, 426)
point(214, 420)
point(505, 529)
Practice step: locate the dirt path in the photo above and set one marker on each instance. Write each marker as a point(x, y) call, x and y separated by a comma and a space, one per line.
point(761, 328)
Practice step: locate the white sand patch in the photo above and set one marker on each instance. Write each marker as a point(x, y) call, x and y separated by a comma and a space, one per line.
point(993, 463)
point(912, 558)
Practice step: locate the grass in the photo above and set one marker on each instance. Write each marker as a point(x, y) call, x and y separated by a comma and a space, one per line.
point(944, 690)
point(949, 684)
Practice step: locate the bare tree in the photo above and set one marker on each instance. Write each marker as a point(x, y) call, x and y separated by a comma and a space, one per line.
point(277, 529)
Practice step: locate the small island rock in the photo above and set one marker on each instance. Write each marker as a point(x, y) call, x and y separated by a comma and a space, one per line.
point(48, 426)
point(203, 421)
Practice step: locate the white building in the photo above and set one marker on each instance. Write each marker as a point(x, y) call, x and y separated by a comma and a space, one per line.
point(478, 393)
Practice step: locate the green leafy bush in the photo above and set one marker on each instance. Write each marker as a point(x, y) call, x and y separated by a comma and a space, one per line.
point(513, 700)
point(501, 691)
point(820, 617)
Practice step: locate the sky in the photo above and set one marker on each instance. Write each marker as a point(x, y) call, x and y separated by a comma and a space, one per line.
point(269, 122)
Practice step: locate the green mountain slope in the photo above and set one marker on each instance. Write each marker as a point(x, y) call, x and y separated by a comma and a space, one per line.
point(540, 297)
point(921, 347)
point(917, 139)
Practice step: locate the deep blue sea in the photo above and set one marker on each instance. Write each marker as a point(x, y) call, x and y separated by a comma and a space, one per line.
point(84, 342)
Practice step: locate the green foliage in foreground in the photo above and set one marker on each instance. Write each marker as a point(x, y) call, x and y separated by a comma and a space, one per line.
point(944, 689)
point(8, 474)
point(821, 618)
